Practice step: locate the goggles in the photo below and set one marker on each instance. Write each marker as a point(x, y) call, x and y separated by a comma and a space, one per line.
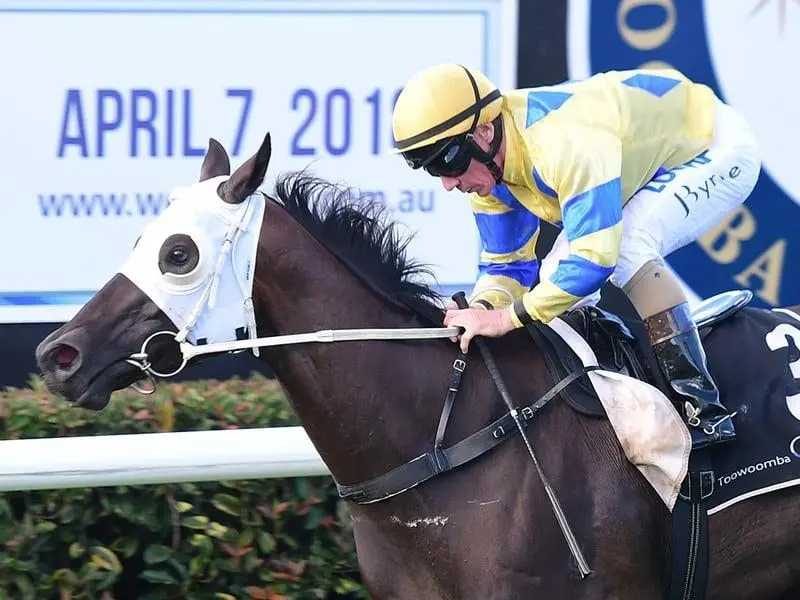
point(449, 159)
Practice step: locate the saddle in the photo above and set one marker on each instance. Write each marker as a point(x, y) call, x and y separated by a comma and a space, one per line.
point(621, 346)
point(617, 349)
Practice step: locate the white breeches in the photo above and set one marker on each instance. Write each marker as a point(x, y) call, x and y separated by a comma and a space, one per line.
point(678, 206)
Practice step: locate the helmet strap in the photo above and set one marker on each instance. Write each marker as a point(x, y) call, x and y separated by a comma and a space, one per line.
point(487, 157)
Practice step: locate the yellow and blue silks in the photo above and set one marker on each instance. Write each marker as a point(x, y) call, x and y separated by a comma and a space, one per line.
point(575, 154)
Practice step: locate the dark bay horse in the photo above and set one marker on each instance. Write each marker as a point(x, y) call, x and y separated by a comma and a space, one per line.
point(483, 531)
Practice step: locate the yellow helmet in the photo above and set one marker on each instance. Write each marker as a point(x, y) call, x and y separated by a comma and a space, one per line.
point(441, 102)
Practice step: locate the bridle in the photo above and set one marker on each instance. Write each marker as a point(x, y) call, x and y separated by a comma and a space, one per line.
point(207, 299)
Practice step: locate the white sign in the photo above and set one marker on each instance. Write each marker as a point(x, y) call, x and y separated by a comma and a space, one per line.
point(108, 105)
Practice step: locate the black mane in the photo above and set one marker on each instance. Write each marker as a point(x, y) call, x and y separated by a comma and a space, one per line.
point(361, 235)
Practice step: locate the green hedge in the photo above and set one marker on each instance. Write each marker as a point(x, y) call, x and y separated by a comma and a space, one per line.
point(263, 539)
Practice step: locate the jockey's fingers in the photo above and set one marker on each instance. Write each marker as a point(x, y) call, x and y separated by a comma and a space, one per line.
point(453, 319)
point(454, 338)
point(466, 338)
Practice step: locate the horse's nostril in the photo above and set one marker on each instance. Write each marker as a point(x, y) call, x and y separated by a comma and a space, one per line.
point(64, 356)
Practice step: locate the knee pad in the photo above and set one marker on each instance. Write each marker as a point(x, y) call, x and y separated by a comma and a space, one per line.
point(654, 289)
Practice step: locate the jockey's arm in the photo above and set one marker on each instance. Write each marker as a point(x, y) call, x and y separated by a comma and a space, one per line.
point(583, 166)
point(508, 266)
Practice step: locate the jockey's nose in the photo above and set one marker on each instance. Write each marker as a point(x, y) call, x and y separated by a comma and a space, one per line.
point(449, 183)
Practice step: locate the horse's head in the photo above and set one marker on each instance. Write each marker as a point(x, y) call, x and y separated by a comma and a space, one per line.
point(199, 253)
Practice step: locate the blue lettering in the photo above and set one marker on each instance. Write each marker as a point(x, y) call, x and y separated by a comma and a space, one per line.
point(333, 95)
point(661, 178)
point(374, 197)
point(188, 150)
point(700, 159)
point(297, 149)
point(667, 176)
point(102, 204)
point(50, 205)
point(151, 203)
point(104, 122)
point(416, 201)
point(146, 97)
point(169, 149)
point(406, 203)
point(73, 109)
point(426, 201)
point(155, 122)
point(247, 96)
point(109, 204)
point(374, 100)
point(339, 116)
point(682, 200)
point(81, 204)
point(654, 188)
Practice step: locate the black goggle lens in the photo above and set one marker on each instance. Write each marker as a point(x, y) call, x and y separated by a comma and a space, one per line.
point(450, 161)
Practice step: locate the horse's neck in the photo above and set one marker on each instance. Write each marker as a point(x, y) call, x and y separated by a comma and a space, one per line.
point(361, 402)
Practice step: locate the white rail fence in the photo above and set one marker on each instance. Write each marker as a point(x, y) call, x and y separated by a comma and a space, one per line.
point(149, 458)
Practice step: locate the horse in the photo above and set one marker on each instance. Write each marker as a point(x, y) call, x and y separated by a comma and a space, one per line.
point(322, 259)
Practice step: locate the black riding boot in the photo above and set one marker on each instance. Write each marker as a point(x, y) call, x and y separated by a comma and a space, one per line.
point(676, 342)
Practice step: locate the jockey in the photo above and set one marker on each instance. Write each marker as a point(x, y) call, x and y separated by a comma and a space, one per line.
point(632, 166)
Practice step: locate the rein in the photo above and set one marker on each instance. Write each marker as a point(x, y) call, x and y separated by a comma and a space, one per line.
point(189, 351)
point(434, 462)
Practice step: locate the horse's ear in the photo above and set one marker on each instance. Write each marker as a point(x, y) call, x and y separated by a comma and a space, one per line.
point(216, 162)
point(246, 179)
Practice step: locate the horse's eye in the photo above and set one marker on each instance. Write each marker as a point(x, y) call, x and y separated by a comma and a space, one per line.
point(178, 256)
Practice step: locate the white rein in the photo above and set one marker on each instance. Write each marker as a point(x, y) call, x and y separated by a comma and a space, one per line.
point(189, 351)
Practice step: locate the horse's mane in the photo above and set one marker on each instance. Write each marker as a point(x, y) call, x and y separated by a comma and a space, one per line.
point(359, 232)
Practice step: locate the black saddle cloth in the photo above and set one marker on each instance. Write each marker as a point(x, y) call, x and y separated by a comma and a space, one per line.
point(753, 355)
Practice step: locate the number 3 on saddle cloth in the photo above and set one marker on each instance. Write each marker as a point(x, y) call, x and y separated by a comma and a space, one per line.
point(753, 355)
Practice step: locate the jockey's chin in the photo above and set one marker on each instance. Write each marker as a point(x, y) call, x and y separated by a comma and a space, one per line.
point(484, 189)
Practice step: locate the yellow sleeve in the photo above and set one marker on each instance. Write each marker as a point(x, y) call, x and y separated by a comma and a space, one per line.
point(582, 167)
point(508, 266)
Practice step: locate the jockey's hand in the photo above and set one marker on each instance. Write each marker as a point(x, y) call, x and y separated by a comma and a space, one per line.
point(451, 305)
point(478, 321)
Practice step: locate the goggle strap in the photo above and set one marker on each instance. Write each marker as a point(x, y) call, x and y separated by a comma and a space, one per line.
point(487, 158)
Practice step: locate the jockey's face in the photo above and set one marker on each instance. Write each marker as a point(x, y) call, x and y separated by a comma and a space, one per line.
point(477, 178)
